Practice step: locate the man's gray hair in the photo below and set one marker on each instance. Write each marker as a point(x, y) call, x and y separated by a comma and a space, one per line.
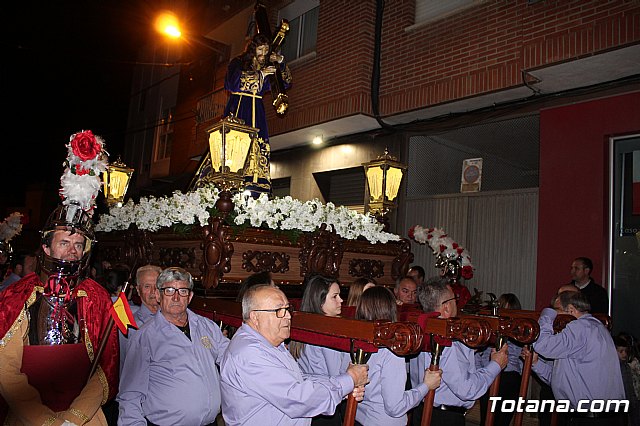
point(431, 293)
point(147, 268)
point(249, 300)
point(174, 274)
point(575, 298)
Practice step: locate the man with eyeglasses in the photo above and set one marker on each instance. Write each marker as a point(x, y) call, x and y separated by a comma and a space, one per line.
point(170, 375)
point(262, 383)
point(462, 383)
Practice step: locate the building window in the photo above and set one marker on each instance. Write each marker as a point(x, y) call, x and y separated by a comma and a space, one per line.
point(281, 187)
point(164, 135)
point(431, 10)
point(303, 28)
point(343, 187)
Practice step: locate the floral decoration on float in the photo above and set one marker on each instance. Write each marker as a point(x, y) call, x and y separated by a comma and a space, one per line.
point(444, 247)
point(279, 214)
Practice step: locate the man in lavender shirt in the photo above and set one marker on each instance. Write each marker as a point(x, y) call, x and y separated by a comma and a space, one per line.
point(462, 383)
point(262, 383)
point(146, 277)
point(585, 364)
point(170, 375)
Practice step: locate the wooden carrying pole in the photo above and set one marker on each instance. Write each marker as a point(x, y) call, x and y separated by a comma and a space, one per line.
point(427, 409)
point(359, 357)
point(495, 386)
point(524, 383)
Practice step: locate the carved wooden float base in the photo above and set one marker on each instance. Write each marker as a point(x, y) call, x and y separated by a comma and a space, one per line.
point(217, 254)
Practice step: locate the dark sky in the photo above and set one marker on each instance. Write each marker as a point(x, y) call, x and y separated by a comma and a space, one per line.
point(65, 66)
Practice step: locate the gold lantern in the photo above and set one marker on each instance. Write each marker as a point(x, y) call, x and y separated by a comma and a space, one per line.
point(384, 175)
point(230, 142)
point(116, 182)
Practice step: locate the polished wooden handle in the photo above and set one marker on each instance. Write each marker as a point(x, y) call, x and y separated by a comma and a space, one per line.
point(524, 384)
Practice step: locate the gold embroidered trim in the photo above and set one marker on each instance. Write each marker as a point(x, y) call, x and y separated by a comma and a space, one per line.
point(79, 414)
point(105, 384)
point(88, 344)
point(82, 293)
point(50, 420)
point(18, 322)
point(252, 95)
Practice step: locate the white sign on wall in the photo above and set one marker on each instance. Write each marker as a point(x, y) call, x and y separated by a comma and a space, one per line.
point(471, 175)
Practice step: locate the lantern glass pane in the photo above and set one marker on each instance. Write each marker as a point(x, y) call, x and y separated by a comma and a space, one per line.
point(117, 184)
point(215, 149)
point(374, 179)
point(237, 148)
point(394, 177)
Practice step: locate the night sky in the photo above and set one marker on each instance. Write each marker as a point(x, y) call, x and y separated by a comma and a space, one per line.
point(65, 66)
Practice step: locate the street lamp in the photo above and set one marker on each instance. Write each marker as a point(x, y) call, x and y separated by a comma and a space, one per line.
point(168, 24)
point(384, 175)
point(116, 182)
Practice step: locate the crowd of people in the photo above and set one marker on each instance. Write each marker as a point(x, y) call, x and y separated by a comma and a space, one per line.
point(181, 368)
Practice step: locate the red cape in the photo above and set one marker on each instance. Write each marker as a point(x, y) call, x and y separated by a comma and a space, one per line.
point(93, 313)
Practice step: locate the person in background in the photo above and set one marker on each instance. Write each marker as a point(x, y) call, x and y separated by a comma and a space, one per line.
point(321, 296)
point(146, 277)
point(624, 347)
point(417, 273)
point(357, 288)
point(581, 269)
point(511, 376)
point(259, 278)
point(405, 291)
point(462, 382)
point(261, 382)
point(386, 402)
point(21, 264)
point(170, 375)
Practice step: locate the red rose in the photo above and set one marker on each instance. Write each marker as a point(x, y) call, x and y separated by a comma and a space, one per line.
point(460, 250)
point(85, 146)
point(412, 232)
point(467, 272)
point(454, 245)
point(442, 248)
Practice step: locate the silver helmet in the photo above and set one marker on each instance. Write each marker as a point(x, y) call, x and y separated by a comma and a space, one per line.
point(72, 219)
point(450, 266)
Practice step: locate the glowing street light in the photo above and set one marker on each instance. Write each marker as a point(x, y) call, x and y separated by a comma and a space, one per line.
point(167, 23)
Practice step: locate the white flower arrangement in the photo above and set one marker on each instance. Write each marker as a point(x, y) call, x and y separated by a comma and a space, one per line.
point(11, 226)
point(443, 245)
point(283, 214)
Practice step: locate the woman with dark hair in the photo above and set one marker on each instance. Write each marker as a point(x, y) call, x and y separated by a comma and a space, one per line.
point(356, 288)
point(321, 296)
point(386, 402)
